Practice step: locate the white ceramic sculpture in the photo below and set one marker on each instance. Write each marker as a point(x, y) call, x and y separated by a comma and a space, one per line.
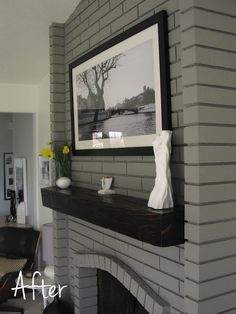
point(162, 195)
point(106, 186)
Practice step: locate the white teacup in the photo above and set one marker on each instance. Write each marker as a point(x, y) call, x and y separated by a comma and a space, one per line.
point(106, 183)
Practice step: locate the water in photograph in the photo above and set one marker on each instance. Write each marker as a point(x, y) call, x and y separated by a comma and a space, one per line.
point(128, 124)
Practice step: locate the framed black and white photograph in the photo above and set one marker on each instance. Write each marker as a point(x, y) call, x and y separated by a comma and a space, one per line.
point(120, 92)
point(8, 174)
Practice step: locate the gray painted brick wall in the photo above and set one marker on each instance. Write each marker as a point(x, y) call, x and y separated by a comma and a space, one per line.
point(199, 277)
point(209, 76)
point(57, 82)
point(90, 25)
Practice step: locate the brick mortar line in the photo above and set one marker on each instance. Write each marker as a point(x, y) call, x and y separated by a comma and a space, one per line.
point(51, 54)
point(196, 26)
point(208, 47)
point(187, 183)
point(210, 105)
point(212, 242)
point(206, 65)
point(210, 86)
point(210, 280)
point(207, 10)
point(210, 298)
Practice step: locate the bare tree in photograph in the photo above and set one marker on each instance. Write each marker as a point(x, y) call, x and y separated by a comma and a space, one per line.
point(93, 81)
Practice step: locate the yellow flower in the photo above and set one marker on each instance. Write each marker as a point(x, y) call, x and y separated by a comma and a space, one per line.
point(47, 152)
point(65, 150)
point(50, 155)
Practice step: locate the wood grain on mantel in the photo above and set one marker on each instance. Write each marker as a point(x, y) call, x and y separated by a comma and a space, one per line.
point(127, 215)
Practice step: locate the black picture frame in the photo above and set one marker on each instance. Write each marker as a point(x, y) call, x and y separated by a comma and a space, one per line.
point(8, 170)
point(158, 24)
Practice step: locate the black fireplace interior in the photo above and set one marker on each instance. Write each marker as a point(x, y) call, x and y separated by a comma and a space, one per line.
point(114, 298)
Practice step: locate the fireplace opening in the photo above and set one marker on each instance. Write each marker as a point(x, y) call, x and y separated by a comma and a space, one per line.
point(104, 284)
point(114, 298)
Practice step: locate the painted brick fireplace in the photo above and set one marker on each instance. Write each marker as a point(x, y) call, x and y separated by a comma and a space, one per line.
point(199, 276)
point(150, 263)
point(119, 235)
point(161, 268)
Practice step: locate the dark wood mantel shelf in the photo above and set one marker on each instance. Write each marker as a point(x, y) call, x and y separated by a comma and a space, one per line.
point(127, 215)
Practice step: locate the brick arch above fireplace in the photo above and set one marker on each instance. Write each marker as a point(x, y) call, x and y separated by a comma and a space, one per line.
point(85, 266)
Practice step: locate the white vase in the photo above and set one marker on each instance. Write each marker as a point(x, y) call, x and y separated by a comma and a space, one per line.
point(63, 182)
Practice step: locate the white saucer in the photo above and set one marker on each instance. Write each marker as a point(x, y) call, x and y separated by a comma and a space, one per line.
point(106, 192)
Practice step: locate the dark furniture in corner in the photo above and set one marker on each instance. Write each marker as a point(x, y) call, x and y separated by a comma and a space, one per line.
point(16, 243)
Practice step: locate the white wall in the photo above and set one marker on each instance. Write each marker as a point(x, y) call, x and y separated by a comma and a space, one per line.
point(24, 146)
point(44, 215)
point(21, 98)
point(5, 147)
point(31, 133)
point(18, 98)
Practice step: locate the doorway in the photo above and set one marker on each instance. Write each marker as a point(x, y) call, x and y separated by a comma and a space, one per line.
point(17, 136)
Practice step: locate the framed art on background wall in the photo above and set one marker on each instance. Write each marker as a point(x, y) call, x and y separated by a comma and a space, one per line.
point(45, 169)
point(8, 174)
point(20, 182)
point(120, 98)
